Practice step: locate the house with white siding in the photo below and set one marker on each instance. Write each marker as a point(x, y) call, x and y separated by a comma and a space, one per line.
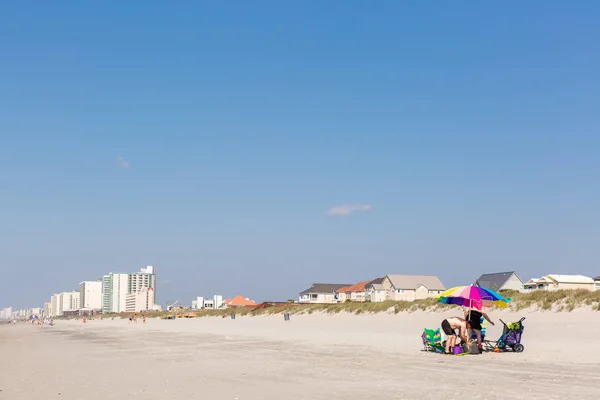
point(354, 292)
point(374, 291)
point(321, 293)
point(399, 287)
point(559, 282)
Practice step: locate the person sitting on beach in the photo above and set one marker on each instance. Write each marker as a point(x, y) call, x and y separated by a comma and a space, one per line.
point(450, 326)
point(475, 317)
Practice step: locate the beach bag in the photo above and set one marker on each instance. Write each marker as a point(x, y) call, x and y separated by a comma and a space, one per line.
point(472, 348)
point(456, 350)
point(511, 338)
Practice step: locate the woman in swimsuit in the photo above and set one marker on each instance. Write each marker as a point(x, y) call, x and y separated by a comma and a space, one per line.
point(474, 317)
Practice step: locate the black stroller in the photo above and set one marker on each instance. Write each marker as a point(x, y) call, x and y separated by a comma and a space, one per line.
point(510, 340)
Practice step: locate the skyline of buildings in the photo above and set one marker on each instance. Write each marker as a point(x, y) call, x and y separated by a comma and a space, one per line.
point(114, 293)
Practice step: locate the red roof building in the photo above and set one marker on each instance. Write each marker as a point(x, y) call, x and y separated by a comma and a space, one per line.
point(239, 301)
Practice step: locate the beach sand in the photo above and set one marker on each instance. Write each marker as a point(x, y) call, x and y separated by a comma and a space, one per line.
point(309, 357)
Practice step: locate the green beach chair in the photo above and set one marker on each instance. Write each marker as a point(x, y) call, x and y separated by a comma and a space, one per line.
point(432, 340)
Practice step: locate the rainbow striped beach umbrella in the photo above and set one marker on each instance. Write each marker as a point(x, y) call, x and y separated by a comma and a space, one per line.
point(472, 296)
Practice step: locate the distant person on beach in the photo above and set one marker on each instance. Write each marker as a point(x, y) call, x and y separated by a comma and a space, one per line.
point(135, 319)
point(475, 317)
point(130, 319)
point(144, 318)
point(450, 326)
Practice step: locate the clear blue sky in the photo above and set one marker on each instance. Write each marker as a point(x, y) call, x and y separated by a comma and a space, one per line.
point(209, 139)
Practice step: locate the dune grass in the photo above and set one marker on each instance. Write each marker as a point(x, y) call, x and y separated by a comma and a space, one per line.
point(560, 301)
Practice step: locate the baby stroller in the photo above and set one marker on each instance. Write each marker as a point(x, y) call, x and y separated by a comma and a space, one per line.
point(510, 338)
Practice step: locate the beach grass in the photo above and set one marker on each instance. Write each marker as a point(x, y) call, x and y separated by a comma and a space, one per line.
point(559, 301)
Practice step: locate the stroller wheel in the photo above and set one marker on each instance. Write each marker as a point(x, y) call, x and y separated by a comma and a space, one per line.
point(518, 348)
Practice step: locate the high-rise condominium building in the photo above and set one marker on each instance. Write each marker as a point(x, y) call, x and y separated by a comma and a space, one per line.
point(114, 291)
point(145, 279)
point(53, 305)
point(90, 295)
point(65, 301)
point(142, 300)
point(6, 313)
point(115, 288)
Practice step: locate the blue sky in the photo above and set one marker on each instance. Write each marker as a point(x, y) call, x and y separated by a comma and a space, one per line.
point(210, 139)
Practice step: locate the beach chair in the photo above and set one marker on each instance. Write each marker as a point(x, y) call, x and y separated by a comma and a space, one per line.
point(432, 340)
point(483, 330)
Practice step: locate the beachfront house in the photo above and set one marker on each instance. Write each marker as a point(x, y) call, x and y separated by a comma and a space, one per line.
point(411, 287)
point(208, 303)
point(354, 292)
point(559, 282)
point(500, 281)
point(597, 283)
point(321, 293)
point(374, 291)
point(239, 301)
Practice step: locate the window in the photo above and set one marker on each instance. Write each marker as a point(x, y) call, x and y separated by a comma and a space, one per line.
point(399, 290)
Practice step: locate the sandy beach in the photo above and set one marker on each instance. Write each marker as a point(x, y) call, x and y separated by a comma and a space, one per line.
point(310, 357)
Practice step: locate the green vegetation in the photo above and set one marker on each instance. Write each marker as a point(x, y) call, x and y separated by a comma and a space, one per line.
point(561, 301)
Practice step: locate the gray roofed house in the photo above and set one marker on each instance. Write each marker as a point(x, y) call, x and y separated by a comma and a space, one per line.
point(500, 281)
point(374, 291)
point(321, 293)
point(400, 287)
point(375, 281)
point(413, 281)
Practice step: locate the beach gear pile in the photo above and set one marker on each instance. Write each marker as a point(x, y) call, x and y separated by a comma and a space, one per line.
point(476, 297)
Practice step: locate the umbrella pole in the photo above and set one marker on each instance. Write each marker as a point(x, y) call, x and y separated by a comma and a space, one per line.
point(470, 309)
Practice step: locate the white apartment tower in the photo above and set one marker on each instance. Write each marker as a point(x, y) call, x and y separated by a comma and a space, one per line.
point(116, 287)
point(142, 300)
point(145, 279)
point(90, 295)
point(53, 306)
point(65, 301)
point(114, 292)
point(6, 313)
point(69, 301)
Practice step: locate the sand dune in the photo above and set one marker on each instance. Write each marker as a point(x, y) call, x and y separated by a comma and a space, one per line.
point(310, 357)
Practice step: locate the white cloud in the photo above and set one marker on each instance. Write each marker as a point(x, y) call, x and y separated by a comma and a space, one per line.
point(123, 163)
point(347, 209)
